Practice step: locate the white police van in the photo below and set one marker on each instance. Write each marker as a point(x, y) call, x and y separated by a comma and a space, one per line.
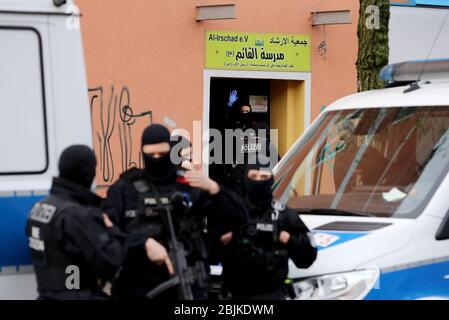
point(44, 108)
point(370, 178)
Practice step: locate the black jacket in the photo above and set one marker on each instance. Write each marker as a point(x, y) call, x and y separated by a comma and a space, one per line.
point(255, 263)
point(124, 205)
point(67, 229)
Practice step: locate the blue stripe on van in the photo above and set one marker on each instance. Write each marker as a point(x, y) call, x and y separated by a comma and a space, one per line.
point(13, 241)
point(428, 281)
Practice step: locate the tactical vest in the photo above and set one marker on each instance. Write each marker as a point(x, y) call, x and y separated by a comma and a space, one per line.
point(52, 262)
point(246, 145)
point(146, 220)
point(245, 149)
point(262, 232)
point(259, 249)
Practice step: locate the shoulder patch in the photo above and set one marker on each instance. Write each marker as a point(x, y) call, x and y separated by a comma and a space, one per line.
point(42, 212)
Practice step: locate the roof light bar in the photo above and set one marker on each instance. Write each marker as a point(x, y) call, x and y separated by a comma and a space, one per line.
point(416, 70)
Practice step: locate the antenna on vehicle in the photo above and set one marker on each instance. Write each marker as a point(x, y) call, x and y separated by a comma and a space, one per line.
point(414, 86)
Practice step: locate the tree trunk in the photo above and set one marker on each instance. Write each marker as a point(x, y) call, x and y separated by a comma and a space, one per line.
point(373, 43)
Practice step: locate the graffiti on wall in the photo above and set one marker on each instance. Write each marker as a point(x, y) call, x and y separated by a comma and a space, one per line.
point(115, 124)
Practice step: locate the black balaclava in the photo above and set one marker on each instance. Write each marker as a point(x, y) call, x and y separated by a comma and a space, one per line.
point(259, 193)
point(77, 164)
point(246, 118)
point(160, 170)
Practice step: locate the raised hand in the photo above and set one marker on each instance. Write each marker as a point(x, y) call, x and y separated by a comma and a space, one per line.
point(232, 98)
point(197, 179)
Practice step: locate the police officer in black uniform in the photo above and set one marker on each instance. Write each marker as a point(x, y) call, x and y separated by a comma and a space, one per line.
point(255, 253)
point(239, 117)
point(74, 247)
point(238, 113)
point(132, 202)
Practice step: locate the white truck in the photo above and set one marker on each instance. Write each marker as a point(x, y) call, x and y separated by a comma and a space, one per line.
point(44, 108)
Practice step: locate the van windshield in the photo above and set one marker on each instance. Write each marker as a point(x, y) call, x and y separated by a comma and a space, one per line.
point(383, 162)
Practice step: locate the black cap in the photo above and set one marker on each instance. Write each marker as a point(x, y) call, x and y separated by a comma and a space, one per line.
point(155, 133)
point(77, 164)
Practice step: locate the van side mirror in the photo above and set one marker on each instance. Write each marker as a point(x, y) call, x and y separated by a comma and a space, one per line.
point(443, 231)
point(59, 3)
